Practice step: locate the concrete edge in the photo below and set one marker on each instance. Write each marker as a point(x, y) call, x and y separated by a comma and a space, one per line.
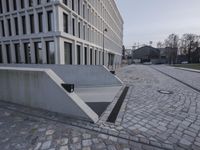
point(188, 69)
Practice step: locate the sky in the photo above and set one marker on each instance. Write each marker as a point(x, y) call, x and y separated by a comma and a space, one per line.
point(154, 20)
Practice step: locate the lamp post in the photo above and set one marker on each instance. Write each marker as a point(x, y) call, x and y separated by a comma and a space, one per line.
point(105, 30)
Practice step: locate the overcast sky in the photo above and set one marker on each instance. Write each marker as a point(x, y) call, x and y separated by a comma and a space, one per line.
point(154, 20)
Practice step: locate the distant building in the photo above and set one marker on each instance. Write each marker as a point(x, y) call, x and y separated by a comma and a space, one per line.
point(60, 32)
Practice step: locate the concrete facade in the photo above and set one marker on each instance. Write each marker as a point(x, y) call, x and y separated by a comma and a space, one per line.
point(60, 32)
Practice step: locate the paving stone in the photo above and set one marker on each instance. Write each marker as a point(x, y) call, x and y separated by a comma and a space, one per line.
point(46, 145)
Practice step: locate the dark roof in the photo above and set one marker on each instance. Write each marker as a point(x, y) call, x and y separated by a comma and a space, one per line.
point(146, 52)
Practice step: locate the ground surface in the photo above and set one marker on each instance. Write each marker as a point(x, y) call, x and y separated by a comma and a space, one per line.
point(191, 66)
point(148, 119)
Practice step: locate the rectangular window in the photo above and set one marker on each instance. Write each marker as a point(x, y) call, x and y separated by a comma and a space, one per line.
point(91, 57)
point(30, 3)
point(85, 51)
point(24, 24)
point(84, 11)
point(22, 4)
point(40, 24)
point(79, 29)
point(95, 57)
point(73, 26)
point(38, 53)
point(1, 55)
point(1, 8)
point(84, 32)
point(2, 27)
point(32, 26)
point(27, 53)
point(16, 26)
point(8, 53)
point(9, 27)
point(50, 52)
point(65, 2)
point(17, 53)
point(50, 20)
point(72, 4)
point(14, 5)
point(68, 53)
point(38, 2)
point(65, 22)
point(79, 7)
point(78, 54)
point(99, 58)
point(7, 6)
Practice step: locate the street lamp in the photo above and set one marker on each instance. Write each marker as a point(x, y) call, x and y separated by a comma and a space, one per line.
point(105, 30)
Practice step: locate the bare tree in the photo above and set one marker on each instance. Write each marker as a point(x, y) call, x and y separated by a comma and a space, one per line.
point(160, 44)
point(172, 41)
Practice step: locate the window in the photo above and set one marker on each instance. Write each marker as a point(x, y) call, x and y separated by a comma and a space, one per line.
point(2, 27)
point(38, 2)
point(1, 8)
point(68, 53)
point(50, 20)
point(85, 51)
point(84, 32)
point(17, 53)
point(32, 26)
point(72, 4)
point(73, 26)
point(99, 57)
point(79, 29)
point(40, 24)
point(50, 52)
point(65, 2)
point(95, 57)
point(38, 52)
point(1, 55)
point(16, 26)
point(27, 53)
point(65, 22)
point(22, 4)
point(7, 6)
point(24, 24)
point(91, 60)
point(84, 11)
point(79, 7)
point(30, 3)
point(78, 54)
point(9, 27)
point(14, 5)
point(8, 53)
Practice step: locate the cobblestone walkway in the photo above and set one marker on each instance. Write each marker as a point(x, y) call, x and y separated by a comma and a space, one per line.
point(148, 119)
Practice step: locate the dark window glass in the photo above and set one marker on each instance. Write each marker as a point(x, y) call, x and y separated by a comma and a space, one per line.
point(24, 24)
point(3, 29)
point(65, 2)
point(7, 6)
point(1, 8)
point(9, 27)
point(27, 53)
point(95, 57)
point(50, 20)
point(72, 4)
point(99, 58)
point(78, 55)
point(22, 4)
point(38, 52)
point(85, 49)
point(1, 55)
point(84, 11)
point(40, 24)
point(48, 1)
point(16, 26)
point(17, 53)
point(14, 5)
point(50, 52)
point(79, 7)
point(65, 22)
point(84, 32)
point(30, 3)
point(79, 30)
point(38, 2)
point(68, 53)
point(32, 26)
point(73, 26)
point(8, 53)
point(91, 60)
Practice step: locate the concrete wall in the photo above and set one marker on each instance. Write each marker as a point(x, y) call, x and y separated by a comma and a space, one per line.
point(41, 88)
point(80, 75)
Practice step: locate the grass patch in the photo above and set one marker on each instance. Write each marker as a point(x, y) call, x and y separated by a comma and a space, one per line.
point(190, 66)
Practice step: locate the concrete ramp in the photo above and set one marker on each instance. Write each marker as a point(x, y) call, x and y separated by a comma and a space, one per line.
point(39, 86)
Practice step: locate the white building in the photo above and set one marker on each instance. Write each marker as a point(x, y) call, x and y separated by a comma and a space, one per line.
point(60, 32)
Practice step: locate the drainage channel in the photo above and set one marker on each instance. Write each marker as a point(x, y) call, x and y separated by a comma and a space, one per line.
point(176, 79)
point(113, 115)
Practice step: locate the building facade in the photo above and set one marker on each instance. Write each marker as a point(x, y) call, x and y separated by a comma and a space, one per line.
point(60, 32)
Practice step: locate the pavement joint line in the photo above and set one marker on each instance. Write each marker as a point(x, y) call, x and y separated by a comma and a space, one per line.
point(82, 127)
point(176, 79)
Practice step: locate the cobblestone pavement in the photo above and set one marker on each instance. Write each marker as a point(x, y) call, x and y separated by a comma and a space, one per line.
point(148, 120)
